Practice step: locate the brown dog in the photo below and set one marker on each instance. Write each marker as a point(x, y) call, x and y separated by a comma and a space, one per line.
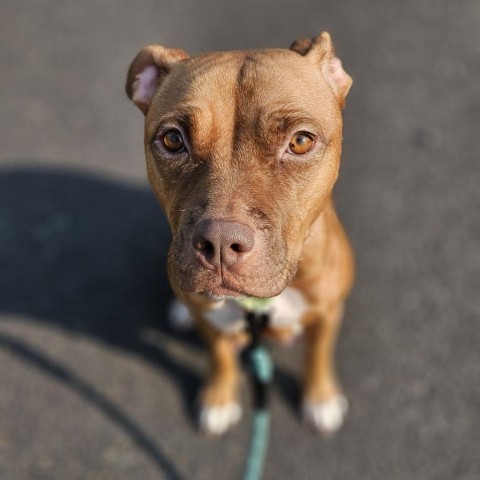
point(243, 150)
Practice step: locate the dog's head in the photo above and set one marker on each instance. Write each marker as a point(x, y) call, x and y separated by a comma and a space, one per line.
point(243, 150)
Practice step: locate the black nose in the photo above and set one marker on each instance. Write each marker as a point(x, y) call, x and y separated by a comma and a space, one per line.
point(222, 242)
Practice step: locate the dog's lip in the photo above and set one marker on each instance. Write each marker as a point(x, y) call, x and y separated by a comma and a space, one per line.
point(219, 299)
point(221, 292)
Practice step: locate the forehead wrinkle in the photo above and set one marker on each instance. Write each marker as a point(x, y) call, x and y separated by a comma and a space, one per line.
point(209, 111)
point(211, 100)
point(246, 84)
point(204, 111)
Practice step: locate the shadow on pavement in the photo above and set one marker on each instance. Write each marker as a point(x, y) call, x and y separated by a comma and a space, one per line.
point(34, 357)
point(88, 255)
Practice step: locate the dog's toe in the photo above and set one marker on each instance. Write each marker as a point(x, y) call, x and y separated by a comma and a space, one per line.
point(327, 416)
point(218, 419)
point(179, 317)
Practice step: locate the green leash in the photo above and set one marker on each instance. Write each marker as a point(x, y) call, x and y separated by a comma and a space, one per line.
point(261, 371)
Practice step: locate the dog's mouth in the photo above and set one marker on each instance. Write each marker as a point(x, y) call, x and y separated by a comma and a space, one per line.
point(221, 286)
point(222, 292)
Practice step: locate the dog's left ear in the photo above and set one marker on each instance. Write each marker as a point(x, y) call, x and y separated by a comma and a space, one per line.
point(146, 72)
point(322, 52)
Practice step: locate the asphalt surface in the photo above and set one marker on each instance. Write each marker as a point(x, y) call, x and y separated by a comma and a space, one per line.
point(93, 383)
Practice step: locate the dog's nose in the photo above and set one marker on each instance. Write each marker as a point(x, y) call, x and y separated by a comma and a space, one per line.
point(222, 242)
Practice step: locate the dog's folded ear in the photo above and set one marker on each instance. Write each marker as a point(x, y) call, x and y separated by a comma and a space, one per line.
point(146, 72)
point(322, 52)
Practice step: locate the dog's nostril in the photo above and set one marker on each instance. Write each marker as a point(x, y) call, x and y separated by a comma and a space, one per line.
point(236, 247)
point(205, 246)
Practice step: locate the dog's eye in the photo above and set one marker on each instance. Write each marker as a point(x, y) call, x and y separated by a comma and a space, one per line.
point(172, 140)
point(301, 143)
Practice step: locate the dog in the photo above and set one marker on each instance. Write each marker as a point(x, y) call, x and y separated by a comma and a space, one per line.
point(242, 151)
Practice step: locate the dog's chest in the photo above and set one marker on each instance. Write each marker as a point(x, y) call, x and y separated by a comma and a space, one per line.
point(286, 311)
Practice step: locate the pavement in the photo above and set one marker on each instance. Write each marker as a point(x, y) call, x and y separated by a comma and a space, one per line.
point(93, 382)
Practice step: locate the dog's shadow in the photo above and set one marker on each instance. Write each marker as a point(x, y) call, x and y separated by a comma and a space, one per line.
point(89, 255)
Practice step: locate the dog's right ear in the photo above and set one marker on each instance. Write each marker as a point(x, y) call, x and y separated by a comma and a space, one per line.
point(147, 71)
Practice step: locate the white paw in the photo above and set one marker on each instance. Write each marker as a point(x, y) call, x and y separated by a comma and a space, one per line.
point(179, 317)
point(217, 420)
point(327, 417)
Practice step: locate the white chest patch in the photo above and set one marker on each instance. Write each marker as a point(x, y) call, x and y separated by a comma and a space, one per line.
point(286, 311)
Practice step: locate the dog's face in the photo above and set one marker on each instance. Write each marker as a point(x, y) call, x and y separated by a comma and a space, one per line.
point(242, 150)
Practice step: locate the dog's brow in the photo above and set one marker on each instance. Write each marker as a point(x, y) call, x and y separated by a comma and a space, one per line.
point(284, 120)
point(185, 116)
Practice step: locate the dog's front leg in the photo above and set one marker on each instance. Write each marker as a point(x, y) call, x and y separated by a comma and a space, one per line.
point(219, 409)
point(324, 405)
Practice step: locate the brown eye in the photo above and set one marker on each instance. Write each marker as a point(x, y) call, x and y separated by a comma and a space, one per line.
point(301, 143)
point(172, 140)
